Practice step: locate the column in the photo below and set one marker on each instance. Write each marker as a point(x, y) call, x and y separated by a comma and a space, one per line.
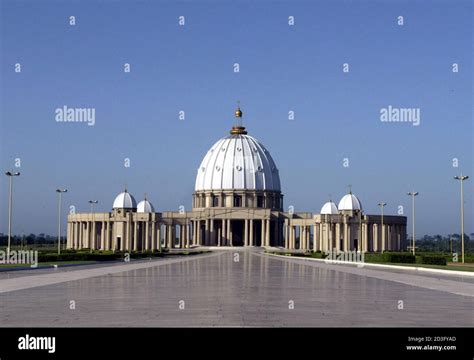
point(384, 238)
point(293, 237)
point(251, 233)
point(206, 235)
point(147, 236)
point(158, 236)
point(187, 231)
point(228, 233)
point(108, 244)
point(223, 233)
point(198, 232)
point(102, 235)
point(134, 241)
point(94, 236)
point(366, 237)
point(267, 233)
point(213, 235)
point(262, 242)
point(301, 237)
point(153, 235)
point(246, 230)
point(375, 240)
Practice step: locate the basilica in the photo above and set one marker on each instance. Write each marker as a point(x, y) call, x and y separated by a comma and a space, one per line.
point(237, 201)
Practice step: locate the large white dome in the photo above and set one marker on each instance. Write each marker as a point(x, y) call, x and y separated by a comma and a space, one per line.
point(329, 209)
point(350, 202)
point(238, 162)
point(125, 200)
point(145, 206)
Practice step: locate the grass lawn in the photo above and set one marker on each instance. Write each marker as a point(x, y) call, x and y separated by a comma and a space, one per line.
point(442, 267)
point(469, 267)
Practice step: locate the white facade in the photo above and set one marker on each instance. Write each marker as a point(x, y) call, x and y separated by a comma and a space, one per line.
point(237, 202)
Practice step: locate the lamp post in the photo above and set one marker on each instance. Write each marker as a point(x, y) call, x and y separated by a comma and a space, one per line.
point(413, 194)
point(462, 178)
point(382, 204)
point(60, 193)
point(92, 203)
point(10, 175)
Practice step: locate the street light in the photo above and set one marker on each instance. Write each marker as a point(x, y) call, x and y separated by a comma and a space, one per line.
point(382, 204)
point(10, 174)
point(462, 178)
point(60, 192)
point(92, 202)
point(413, 194)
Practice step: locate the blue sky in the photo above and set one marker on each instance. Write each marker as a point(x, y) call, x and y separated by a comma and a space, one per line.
point(282, 68)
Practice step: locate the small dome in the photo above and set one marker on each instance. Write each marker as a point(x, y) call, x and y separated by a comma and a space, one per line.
point(145, 206)
point(125, 200)
point(329, 208)
point(349, 202)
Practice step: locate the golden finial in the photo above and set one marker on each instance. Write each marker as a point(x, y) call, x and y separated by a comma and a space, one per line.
point(238, 129)
point(238, 112)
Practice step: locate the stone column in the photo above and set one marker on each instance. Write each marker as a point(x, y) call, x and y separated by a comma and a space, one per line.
point(188, 234)
point(94, 236)
point(228, 232)
point(76, 243)
point(134, 240)
point(198, 232)
point(102, 235)
point(251, 233)
point(213, 234)
point(366, 237)
point(384, 238)
point(293, 237)
point(158, 236)
point(86, 237)
point(206, 235)
point(246, 230)
point(287, 234)
point(147, 236)
point(263, 234)
point(153, 235)
point(375, 237)
point(223, 233)
point(267, 233)
point(302, 238)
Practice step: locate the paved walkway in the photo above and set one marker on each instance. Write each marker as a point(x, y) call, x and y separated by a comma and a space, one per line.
point(216, 290)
